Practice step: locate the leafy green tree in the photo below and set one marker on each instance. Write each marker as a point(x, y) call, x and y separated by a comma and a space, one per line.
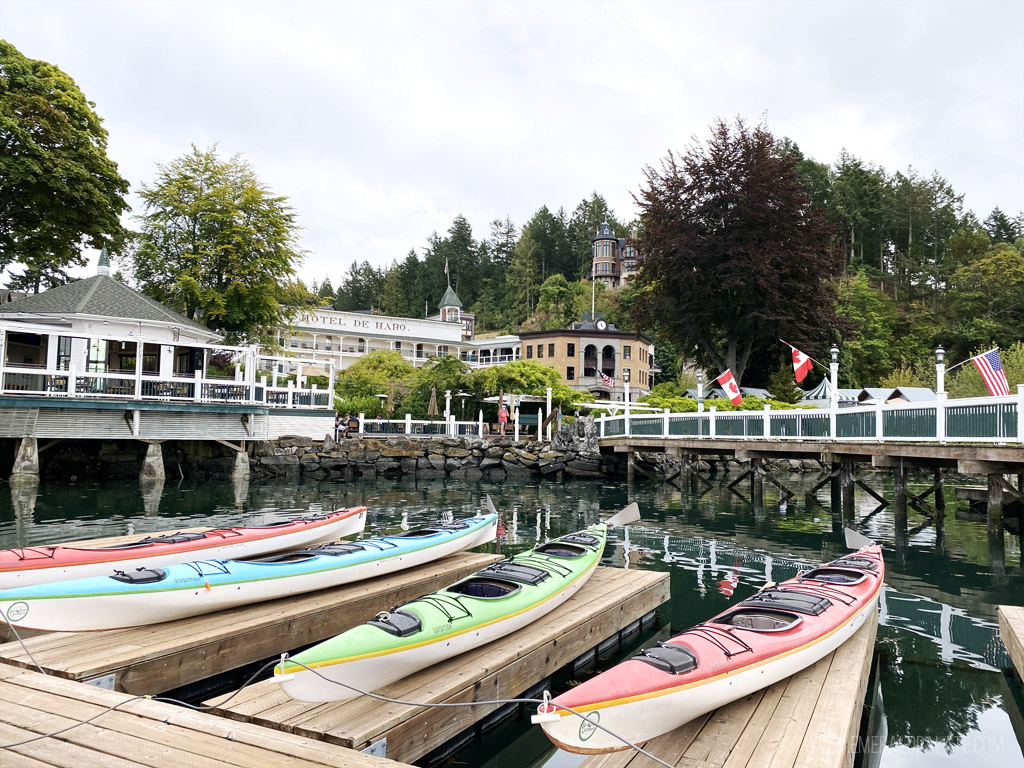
point(987, 301)
point(325, 290)
point(525, 377)
point(560, 302)
point(871, 317)
point(523, 279)
point(1001, 228)
point(218, 246)
point(734, 254)
point(58, 189)
point(376, 373)
point(445, 373)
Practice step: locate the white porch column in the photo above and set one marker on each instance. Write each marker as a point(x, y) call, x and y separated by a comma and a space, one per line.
point(166, 361)
point(52, 340)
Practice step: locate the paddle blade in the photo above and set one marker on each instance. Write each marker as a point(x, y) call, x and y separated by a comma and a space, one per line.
point(490, 505)
point(856, 540)
point(625, 516)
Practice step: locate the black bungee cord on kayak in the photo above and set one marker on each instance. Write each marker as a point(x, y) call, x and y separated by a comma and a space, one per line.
point(201, 708)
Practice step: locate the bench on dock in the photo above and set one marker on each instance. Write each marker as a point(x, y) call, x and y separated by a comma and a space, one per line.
point(612, 599)
point(142, 732)
point(809, 720)
point(161, 657)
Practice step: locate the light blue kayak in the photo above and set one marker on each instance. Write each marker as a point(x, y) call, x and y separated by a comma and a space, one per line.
point(151, 595)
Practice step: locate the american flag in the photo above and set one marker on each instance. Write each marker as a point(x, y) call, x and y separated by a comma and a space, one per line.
point(608, 380)
point(991, 369)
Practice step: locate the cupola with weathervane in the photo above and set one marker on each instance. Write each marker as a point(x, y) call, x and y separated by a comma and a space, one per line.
point(450, 306)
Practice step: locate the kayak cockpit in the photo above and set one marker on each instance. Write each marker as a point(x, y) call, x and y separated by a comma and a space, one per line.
point(560, 549)
point(830, 575)
point(140, 576)
point(486, 588)
point(760, 620)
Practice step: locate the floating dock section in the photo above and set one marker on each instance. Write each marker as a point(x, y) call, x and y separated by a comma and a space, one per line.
point(612, 599)
point(142, 732)
point(809, 720)
point(1011, 632)
point(161, 657)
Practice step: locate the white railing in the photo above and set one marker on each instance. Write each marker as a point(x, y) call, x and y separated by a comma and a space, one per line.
point(184, 388)
point(998, 420)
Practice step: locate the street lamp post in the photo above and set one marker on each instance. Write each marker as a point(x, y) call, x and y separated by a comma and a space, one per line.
point(462, 404)
point(700, 391)
point(382, 397)
point(940, 370)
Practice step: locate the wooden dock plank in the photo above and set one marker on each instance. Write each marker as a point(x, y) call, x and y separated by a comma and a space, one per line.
point(809, 720)
point(612, 599)
point(143, 732)
point(1011, 632)
point(161, 657)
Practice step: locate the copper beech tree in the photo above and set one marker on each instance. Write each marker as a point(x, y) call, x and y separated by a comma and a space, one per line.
point(734, 255)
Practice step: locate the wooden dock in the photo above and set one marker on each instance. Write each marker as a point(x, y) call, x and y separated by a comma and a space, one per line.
point(611, 600)
point(142, 733)
point(162, 657)
point(809, 720)
point(1011, 632)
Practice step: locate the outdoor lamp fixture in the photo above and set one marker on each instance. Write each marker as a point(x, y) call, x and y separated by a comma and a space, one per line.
point(382, 397)
point(835, 353)
point(462, 400)
point(940, 356)
point(625, 375)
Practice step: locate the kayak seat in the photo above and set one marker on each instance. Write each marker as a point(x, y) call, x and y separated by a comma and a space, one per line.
point(559, 549)
point(140, 576)
point(760, 620)
point(397, 622)
point(486, 588)
point(281, 557)
point(584, 539)
point(832, 575)
point(669, 657)
point(506, 569)
point(781, 599)
point(856, 562)
point(417, 534)
point(173, 538)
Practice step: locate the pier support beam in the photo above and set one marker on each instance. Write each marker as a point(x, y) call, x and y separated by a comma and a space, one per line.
point(153, 465)
point(26, 463)
point(846, 478)
point(996, 537)
point(630, 469)
point(241, 469)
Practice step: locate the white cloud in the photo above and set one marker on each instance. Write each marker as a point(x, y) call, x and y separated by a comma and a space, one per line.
point(382, 121)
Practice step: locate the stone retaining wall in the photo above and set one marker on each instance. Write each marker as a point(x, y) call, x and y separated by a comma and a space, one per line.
point(470, 458)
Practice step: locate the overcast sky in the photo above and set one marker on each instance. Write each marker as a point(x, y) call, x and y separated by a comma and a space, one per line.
point(382, 121)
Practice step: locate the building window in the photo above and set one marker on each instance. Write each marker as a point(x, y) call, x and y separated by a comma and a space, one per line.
point(398, 346)
point(97, 360)
point(570, 350)
point(551, 350)
point(627, 352)
point(529, 351)
point(540, 351)
point(570, 373)
point(442, 349)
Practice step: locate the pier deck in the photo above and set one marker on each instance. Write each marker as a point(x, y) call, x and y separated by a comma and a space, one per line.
point(142, 732)
point(809, 720)
point(158, 658)
point(611, 600)
point(1011, 632)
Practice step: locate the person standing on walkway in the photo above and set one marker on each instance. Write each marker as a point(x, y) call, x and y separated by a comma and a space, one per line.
point(502, 419)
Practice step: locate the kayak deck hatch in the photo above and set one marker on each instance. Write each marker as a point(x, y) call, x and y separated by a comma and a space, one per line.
point(787, 600)
point(140, 576)
point(512, 571)
point(397, 622)
point(559, 549)
point(669, 657)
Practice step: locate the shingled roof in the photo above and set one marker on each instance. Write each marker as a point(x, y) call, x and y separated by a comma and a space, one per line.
point(101, 296)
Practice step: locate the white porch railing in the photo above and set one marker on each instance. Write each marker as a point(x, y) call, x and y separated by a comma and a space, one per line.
point(998, 420)
point(188, 388)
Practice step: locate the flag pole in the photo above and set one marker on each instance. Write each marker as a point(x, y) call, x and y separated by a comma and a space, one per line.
point(969, 359)
point(808, 356)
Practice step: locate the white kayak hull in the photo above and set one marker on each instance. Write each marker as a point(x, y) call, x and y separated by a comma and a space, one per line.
point(230, 550)
point(112, 611)
point(373, 673)
point(645, 718)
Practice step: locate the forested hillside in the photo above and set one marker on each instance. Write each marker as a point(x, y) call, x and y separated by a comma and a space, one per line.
point(917, 271)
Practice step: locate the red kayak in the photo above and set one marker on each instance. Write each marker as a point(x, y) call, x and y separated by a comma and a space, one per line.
point(777, 632)
point(39, 565)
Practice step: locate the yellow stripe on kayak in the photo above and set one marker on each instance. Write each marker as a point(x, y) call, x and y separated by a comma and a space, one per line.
point(666, 691)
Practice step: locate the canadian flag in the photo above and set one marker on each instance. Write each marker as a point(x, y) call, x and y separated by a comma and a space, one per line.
point(729, 385)
point(801, 364)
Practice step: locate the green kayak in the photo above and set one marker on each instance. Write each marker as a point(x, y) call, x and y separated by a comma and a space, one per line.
point(489, 604)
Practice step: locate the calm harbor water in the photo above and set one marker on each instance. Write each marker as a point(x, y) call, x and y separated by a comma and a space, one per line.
point(941, 696)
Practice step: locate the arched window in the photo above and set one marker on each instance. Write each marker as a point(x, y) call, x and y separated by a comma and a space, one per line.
point(590, 360)
point(608, 361)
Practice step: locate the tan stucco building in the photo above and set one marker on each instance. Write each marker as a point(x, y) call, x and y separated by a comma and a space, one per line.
point(593, 347)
